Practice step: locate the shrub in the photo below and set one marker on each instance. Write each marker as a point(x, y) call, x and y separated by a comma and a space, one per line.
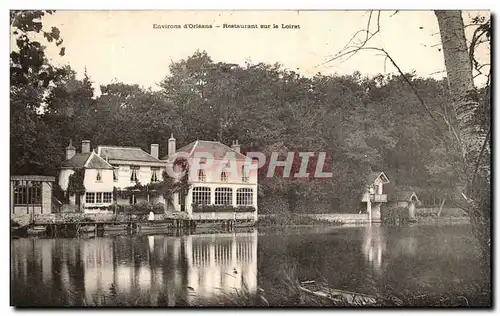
point(141, 208)
point(221, 208)
point(395, 216)
point(158, 208)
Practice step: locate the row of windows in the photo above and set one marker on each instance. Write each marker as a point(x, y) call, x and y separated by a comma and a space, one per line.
point(28, 192)
point(202, 177)
point(223, 196)
point(155, 175)
point(98, 197)
point(134, 171)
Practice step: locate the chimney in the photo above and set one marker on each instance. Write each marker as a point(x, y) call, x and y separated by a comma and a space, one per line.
point(171, 145)
point(155, 150)
point(235, 146)
point(70, 150)
point(85, 146)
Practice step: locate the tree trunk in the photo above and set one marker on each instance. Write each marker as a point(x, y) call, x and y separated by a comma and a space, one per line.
point(441, 206)
point(465, 102)
point(460, 80)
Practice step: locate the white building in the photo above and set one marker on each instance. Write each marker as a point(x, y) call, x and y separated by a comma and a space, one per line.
point(223, 187)
point(133, 166)
point(90, 178)
point(374, 195)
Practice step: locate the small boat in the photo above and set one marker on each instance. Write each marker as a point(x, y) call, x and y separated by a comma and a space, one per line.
point(244, 224)
point(153, 226)
point(337, 296)
point(86, 228)
point(36, 230)
point(85, 235)
point(117, 227)
point(17, 230)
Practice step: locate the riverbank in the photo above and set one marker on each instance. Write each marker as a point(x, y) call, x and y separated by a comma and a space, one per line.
point(293, 220)
point(443, 220)
point(289, 293)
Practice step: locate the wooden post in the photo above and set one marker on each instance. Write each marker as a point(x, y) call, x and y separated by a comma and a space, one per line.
point(369, 210)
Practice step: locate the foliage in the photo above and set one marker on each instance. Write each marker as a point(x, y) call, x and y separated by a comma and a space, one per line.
point(284, 221)
point(59, 193)
point(395, 216)
point(285, 294)
point(204, 208)
point(33, 147)
point(446, 212)
point(141, 208)
point(75, 181)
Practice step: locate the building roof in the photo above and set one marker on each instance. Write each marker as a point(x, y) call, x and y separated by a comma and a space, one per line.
point(33, 178)
point(217, 149)
point(96, 162)
point(86, 160)
point(402, 195)
point(125, 154)
point(375, 175)
point(77, 161)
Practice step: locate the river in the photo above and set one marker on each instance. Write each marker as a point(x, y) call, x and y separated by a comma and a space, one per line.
point(173, 269)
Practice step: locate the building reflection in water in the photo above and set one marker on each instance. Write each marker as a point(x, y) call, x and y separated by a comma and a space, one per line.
point(156, 270)
point(225, 262)
point(374, 247)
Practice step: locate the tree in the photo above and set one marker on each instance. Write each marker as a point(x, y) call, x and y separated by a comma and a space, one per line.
point(470, 138)
point(33, 149)
point(455, 123)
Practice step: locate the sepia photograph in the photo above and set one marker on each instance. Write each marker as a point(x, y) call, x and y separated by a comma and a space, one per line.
point(240, 158)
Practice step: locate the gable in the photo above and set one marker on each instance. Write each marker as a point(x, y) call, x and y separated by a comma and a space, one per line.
point(401, 196)
point(96, 162)
point(377, 177)
point(86, 160)
point(216, 149)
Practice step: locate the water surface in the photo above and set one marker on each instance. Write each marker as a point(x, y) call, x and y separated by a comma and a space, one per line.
point(195, 269)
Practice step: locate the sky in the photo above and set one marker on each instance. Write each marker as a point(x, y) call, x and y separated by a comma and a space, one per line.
point(124, 46)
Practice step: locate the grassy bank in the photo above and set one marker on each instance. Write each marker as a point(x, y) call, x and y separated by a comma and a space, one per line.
point(292, 220)
point(285, 293)
point(433, 212)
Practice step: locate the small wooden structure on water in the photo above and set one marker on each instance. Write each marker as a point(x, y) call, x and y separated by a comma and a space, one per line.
point(406, 199)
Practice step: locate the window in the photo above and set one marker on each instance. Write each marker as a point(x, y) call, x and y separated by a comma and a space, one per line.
point(115, 174)
point(201, 195)
point(223, 176)
point(132, 199)
point(133, 174)
point(89, 197)
point(107, 197)
point(154, 174)
point(201, 175)
point(98, 178)
point(244, 174)
point(98, 197)
point(28, 192)
point(244, 196)
point(223, 196)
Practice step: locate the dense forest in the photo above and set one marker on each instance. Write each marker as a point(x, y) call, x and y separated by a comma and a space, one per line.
point(362, 123)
